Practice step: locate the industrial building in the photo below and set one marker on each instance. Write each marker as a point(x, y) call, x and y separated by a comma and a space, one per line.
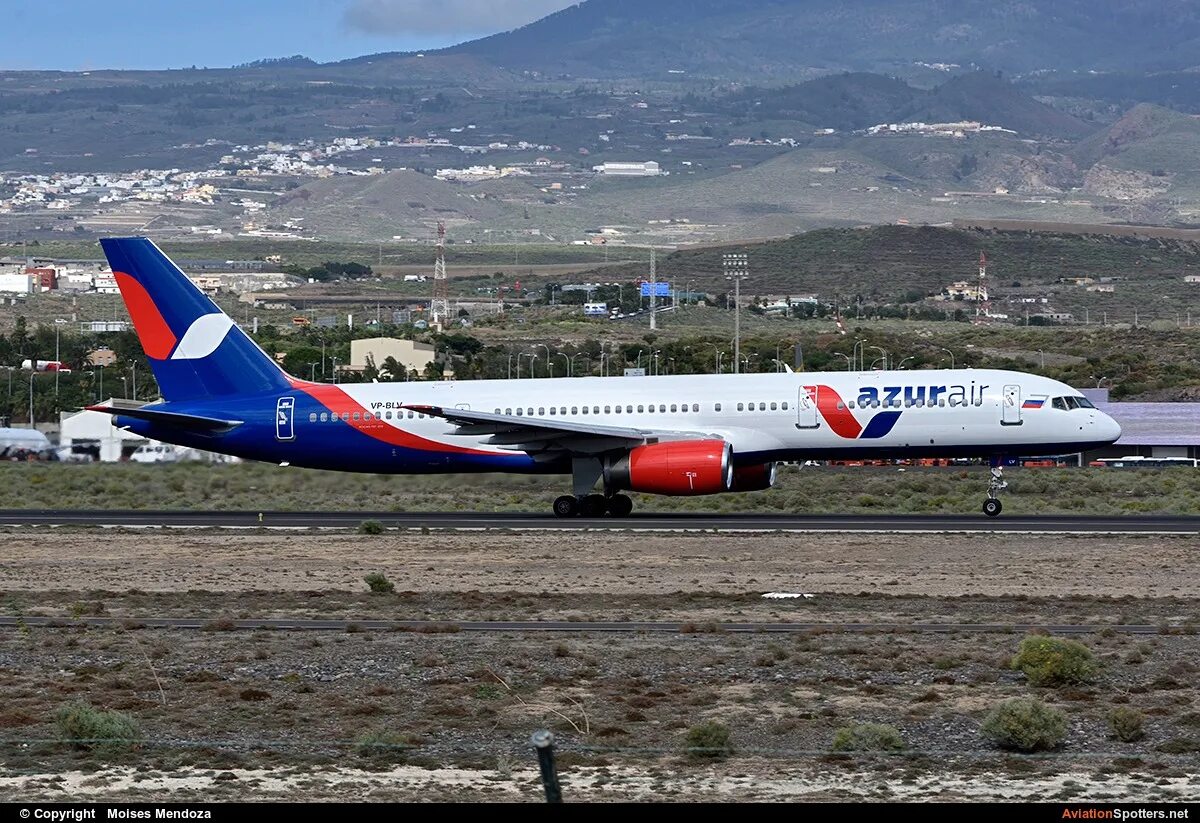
point(647, 169)
point(93, 433)
point(408, 353)
point(1149, 429)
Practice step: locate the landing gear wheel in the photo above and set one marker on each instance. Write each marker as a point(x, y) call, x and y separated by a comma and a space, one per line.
point(996, 484)
point(620, 505)
point(594, 505)
point(566, 506)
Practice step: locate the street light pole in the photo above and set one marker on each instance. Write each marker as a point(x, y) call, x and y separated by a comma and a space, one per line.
point(947, 351)
point(57, 360)
point(32, 372)
point(885, 356)
point(849, 362)
point(737, 269)
point(549, 359)
point(564, 356)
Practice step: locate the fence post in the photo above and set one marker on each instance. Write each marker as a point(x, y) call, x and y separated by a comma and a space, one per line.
point(543, 742)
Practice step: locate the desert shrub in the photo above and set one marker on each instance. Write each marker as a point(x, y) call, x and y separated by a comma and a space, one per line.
point(87, 727)
point(1126, 724)
point(709, 740)
point(379, 584)
point(384, 745)
point(1054, 661)
point(1025, 724)
point(370, 527)
point(867, 737)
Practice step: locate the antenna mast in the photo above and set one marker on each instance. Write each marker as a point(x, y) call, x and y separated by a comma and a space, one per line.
point(983, 306)
point(439, 307)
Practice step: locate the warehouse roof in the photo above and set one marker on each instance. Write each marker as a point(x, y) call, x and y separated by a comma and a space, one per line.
point(1151, 424)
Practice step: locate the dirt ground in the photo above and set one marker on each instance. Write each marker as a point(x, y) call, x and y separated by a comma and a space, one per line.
point(604, 562)
point(301, 715)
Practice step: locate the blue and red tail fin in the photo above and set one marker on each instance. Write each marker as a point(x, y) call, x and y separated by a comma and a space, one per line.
point(196, 350)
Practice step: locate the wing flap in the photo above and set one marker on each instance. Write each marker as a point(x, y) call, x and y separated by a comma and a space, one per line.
point(541, 435)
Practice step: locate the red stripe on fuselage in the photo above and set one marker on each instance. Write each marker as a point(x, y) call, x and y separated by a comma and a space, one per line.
point(340, 404)
point(157, 338)
point(841, 420)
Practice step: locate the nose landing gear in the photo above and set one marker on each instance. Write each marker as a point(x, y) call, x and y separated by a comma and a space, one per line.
point(992, 506)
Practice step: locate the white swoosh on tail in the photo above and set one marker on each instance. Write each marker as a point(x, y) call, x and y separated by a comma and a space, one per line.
point(203, 337)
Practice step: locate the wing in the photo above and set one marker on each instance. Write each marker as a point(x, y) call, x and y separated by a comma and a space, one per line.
point(552, 438)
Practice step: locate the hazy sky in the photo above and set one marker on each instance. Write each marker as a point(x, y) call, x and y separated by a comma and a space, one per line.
point(148, 34)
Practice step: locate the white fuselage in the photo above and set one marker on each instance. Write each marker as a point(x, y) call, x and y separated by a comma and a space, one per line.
point(778, 416)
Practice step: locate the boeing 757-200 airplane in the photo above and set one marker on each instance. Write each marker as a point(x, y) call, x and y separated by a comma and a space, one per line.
point(674, 435)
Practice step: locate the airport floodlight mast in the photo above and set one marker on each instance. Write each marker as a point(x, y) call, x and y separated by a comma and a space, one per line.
point(439, 307)
point(737, 269)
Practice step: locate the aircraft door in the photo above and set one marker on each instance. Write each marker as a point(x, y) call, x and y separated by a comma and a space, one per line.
point(1010, 408)
point(285, 421)
point(806, 408)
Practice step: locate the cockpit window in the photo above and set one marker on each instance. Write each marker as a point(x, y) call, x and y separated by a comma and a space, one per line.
point(1069, 403)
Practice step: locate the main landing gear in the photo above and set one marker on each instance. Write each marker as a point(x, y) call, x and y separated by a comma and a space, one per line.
point(593, 505)
point(585, 473)
point(992, 506)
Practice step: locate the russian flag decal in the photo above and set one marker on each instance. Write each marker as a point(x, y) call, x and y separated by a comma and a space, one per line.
point(1034, 402)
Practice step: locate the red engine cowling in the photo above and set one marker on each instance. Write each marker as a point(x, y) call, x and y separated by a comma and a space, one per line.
point(753, 478)
point(679, 468)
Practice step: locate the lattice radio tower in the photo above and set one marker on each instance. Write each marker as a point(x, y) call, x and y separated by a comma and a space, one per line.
point(983, 306)
point(439, 307)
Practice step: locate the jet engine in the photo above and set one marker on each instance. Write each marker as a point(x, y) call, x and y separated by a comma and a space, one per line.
point(753, 478)
point(680, 468)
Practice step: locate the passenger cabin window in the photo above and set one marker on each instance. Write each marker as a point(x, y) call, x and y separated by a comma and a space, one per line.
point(740, 406)
point(785, 404)
point(717, 407)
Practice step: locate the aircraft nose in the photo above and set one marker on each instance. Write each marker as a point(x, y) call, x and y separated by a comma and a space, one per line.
point(1110, 429)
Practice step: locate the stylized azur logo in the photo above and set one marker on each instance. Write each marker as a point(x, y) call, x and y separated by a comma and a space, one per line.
point(203, 337)
point(840, 418)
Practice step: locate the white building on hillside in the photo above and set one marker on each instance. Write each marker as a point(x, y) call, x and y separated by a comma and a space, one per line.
point(650, 168)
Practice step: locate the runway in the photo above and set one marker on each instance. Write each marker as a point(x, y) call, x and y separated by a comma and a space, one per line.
point(950, 523)
point(551, 626)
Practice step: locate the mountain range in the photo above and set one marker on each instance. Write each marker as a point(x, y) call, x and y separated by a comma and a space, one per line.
point(791, 38)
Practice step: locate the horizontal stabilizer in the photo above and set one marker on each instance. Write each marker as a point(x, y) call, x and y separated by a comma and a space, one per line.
point(190, 422)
